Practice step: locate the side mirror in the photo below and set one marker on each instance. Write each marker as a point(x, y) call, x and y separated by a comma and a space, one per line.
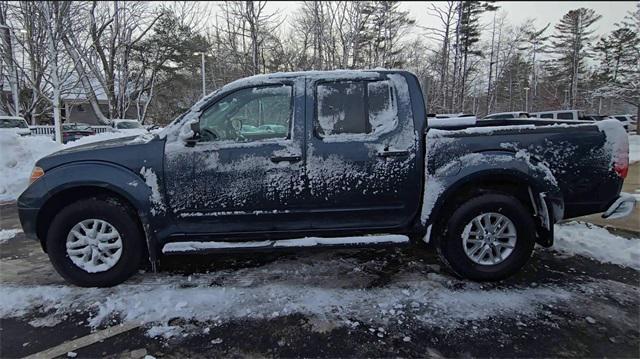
point(195, 127)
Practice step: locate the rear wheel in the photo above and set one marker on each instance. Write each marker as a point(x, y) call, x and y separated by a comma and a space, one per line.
point(95, 242)
point(488, 237)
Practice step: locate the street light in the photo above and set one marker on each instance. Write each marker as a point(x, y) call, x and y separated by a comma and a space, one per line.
point(204, 86)
point(526, 99)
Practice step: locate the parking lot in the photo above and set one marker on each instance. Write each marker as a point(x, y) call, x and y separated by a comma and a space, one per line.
point(395, 302)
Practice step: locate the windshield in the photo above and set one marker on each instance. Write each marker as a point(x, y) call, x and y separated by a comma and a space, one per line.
point(13, 122)
point(126, 125)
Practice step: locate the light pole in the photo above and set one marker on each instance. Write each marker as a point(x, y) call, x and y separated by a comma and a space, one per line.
point(204, 85)
point(566, 99)
point(526, 99)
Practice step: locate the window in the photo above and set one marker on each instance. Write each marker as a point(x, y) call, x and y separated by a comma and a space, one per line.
point(565, 115)
point(546, 115)
point(249, 114)
point(355, 107)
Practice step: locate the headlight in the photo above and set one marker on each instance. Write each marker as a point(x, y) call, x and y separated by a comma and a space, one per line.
point(35, 174)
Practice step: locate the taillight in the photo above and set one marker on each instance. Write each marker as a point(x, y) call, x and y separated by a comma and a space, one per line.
point(621, 159)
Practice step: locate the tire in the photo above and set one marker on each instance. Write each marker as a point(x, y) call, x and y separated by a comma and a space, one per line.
point(451, 245)
point(116, 214)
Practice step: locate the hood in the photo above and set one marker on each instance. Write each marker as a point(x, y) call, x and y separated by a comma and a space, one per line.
point(126, 151)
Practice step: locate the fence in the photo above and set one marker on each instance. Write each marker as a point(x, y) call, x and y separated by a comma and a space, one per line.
point(49, 130)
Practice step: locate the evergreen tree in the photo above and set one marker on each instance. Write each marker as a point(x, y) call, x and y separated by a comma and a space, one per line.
point(572, 41)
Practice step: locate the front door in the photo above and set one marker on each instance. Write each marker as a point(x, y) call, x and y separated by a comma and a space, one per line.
point(245, 174)
point(362, 153)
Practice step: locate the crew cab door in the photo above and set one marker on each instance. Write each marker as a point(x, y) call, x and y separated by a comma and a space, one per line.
point(245, 173)
point(362, 153)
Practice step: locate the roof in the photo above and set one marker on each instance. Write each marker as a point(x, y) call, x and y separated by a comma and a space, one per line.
point(278, 76)
point(11, 117)
point(506, 113)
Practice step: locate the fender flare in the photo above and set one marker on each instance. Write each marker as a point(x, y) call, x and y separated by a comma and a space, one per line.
point(493, 167)
point(114, 178)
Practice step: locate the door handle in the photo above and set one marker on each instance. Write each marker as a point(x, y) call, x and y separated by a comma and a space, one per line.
point(393, 154)
point(277, 159)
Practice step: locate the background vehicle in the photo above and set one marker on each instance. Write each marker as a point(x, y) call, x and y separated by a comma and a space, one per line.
point(574, 115)
point(347, 172)
point(505, 115)
point(630, 122)
point(73, 131)
point(127, 125)
point(450, 115)
point(14, 124)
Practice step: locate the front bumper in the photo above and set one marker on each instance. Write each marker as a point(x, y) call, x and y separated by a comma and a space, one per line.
point(621, 207)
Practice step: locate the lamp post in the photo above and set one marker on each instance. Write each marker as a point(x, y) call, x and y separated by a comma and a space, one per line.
point(526, 99)
point(204, 85)
point(566, 99)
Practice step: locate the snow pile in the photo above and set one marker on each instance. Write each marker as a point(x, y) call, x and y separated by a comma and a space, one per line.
point(18, 156)
point(20, 153)
point(7, 234)
point(597, 243)
point(634, 148)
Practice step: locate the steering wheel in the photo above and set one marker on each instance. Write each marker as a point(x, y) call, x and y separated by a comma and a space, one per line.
point(233, 128)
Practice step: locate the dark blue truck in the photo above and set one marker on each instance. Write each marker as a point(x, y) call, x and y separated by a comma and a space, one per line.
point(339, 158)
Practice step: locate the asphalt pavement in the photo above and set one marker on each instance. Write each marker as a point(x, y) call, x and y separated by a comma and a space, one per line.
point(557, 306)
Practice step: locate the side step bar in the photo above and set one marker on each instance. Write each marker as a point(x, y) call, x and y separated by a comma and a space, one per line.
point(187, 247)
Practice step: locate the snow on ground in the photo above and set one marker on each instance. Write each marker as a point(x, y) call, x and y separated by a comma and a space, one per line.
point(634, 148)
point(330, 287)
point(20, 153)
point(597, 243)
point(7, 234)
point(320, 286)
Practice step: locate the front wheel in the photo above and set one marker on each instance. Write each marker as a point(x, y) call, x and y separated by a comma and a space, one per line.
point(95, 242)
point(488, 237)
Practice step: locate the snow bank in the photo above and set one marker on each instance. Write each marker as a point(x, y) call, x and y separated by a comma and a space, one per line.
point(597, 243)
point(20, 153)
point(7, 234)
point(634, 148)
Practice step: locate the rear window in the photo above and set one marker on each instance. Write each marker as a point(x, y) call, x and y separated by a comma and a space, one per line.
point(621, 118)
point(13, 123)
point(355, 107)
point(565, 115)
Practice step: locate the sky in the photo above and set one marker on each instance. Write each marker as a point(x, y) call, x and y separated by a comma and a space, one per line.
point(518, 11)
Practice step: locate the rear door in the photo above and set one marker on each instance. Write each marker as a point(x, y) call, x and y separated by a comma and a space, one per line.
point(361, 153)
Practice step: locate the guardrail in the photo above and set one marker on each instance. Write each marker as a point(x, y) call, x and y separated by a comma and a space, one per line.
point(49, 130)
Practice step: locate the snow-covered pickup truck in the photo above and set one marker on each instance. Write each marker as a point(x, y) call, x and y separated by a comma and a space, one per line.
point(354, 164)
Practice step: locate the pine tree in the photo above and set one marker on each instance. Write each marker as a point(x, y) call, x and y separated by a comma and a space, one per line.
point(572, 41)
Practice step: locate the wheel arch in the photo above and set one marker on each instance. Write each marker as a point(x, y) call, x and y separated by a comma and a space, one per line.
point(529, 190)
point(70, 195)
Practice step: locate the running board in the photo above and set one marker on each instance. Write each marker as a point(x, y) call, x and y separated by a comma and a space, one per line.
point(187, 247)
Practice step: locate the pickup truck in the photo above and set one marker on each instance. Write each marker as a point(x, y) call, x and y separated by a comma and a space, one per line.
point(347, 158)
